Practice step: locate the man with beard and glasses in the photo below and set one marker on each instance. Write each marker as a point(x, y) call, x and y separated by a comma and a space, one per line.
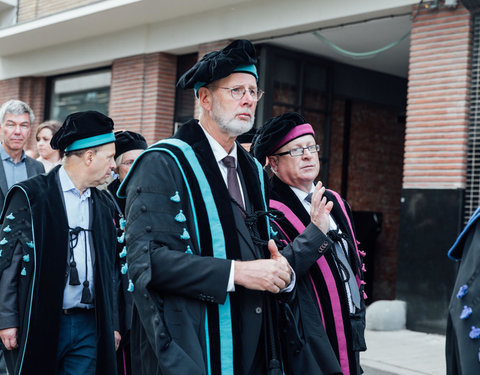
point(200, 262)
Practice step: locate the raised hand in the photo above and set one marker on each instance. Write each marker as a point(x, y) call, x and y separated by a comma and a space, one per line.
point(320, 209)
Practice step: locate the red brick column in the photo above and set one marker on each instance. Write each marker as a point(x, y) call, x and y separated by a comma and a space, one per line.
point(438, 99)
point(142, 95)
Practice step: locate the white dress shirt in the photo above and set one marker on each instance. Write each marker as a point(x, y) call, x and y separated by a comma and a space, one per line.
point(219, 153)
point(301, 195)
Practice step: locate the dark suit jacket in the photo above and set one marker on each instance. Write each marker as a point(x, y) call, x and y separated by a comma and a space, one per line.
point(34, 167)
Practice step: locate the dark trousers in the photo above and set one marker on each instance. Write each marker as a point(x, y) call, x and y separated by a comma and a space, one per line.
point(77, 344)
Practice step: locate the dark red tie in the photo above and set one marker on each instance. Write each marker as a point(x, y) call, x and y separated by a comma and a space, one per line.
point(232, 180)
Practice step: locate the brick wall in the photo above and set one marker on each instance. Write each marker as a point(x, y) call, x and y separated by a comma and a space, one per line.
point(31, 90)
point(142, 95)
point(374, 184)
point(29, 10)
point(374, 179)
point(438, 99)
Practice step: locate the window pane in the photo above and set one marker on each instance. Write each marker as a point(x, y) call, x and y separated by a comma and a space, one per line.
point(90, 91)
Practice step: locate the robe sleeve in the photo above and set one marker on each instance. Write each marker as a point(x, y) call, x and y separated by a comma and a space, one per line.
point(161, 236)
point(305, 249)
point(16, 257)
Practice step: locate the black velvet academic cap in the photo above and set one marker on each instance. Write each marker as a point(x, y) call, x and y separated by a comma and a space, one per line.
point(82, 130)
point(127, 141)
point(276, 133)
point(238, 56)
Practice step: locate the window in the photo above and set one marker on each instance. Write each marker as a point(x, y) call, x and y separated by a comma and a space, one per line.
point(79, 92)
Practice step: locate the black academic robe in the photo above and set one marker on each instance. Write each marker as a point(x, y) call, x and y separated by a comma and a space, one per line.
point(175, 281)
point(34, 222)
point(321, 297)
point(463, 323)
point(124, 297)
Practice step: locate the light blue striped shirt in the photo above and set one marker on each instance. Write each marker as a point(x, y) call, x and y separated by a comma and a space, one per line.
point(14, 172)
point(78, 214)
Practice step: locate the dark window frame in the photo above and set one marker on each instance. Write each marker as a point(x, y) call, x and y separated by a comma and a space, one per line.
point(51, 81)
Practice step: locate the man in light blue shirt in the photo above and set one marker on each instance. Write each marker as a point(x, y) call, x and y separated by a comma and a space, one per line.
point(57, 279)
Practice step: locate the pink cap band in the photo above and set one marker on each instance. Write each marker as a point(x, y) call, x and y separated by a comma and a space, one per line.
point(296, 132)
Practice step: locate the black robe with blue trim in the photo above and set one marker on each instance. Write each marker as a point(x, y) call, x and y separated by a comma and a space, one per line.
point(174, 284)
point(34, 222)
point(463, 350)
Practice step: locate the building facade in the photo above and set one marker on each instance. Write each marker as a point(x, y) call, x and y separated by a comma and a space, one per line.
point(390, 88)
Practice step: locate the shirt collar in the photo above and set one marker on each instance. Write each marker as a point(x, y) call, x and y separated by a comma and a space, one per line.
point(6, 156)
point(218, 151)
point(301, 195)
point(67, 184)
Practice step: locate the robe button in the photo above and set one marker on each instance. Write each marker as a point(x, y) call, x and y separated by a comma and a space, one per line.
point(148, 228)
point(152, 308)
point(139, 189)
point(146, 295)
point(258, 310)
point(145, 249)
point(143, 209)
point(162, 335)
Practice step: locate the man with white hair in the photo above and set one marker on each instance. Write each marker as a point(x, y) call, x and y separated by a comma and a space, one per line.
point(199, 259)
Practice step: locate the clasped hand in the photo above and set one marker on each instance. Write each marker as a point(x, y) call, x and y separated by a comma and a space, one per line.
point(270, 275)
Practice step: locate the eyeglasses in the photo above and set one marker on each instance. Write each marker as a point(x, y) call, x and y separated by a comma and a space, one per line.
point(299, 151)
point(239, 92)
point(127, 163)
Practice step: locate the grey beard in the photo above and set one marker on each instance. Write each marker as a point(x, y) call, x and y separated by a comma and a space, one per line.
point(235, 127)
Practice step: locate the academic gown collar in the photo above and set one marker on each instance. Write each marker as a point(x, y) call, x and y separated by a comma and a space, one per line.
point(192, 133)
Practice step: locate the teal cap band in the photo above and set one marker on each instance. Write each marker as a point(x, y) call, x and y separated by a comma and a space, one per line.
point(91, 142)
point(251, 69)
point(197, 86)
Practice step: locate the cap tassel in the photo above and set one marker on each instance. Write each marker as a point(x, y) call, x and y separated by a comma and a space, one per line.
point(86, 295)
point(74, 279)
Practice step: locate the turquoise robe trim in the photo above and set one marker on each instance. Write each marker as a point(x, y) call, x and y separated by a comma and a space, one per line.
point(33, 278)
point(471, 221)
point(219, 251)
point(210, 205)
point(262, 186)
